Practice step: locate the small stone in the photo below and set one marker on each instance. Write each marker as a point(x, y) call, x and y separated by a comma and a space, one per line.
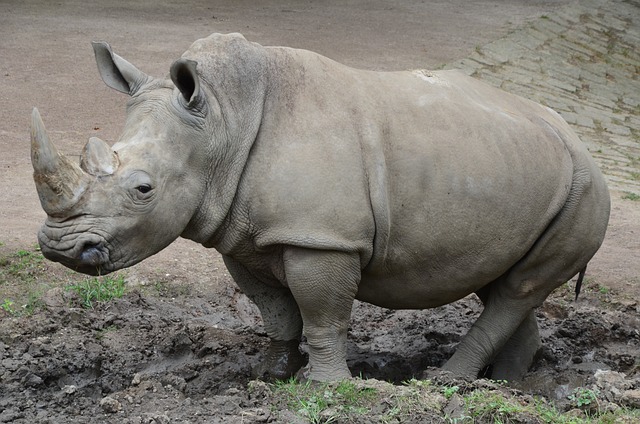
point(32, 380)
point(605, 378)
point(631, 398)
point(10, 364)
point(69, 389)
point(10, 414)
point(257, 415)
point(110, 405)
point(455, 407)
point(137, 378)
point(54, 298)
point(149, 418)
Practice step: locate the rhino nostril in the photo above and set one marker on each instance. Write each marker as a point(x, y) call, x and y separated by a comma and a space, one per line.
point(92, 254)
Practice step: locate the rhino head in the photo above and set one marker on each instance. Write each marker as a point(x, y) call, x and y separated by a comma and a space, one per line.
point(162, 179)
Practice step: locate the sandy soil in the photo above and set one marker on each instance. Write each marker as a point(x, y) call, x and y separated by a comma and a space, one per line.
point(195, 337)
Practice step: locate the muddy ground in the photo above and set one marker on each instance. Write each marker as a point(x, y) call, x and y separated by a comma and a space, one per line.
point(179, 346)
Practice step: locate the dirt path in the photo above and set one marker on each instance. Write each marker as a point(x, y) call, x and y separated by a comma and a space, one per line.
point(191, 337)
point(46, 59)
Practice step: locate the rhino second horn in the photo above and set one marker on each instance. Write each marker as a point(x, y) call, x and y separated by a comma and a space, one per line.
point(60, 182)
point(98, 159)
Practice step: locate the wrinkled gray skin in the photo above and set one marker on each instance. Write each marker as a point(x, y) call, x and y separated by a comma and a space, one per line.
point(320, 184)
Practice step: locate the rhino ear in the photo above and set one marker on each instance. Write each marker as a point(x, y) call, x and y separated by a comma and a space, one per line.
point(184, 76)
point(116, 72)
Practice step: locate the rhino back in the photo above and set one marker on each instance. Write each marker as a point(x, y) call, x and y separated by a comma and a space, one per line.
point(473, 177)
point(440, 182)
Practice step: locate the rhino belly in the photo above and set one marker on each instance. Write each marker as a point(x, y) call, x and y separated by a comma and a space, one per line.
point(428, 282)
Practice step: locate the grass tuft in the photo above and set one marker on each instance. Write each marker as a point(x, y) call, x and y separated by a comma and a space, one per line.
point(325, 402)
point(98, 289)
point(631, 196)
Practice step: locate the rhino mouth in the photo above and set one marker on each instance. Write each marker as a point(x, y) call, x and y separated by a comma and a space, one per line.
point(87, 254)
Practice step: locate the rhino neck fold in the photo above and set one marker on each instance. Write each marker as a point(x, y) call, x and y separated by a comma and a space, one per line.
point(210, 224)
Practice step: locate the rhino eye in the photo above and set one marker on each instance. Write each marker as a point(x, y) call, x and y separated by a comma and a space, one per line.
point(144, 188)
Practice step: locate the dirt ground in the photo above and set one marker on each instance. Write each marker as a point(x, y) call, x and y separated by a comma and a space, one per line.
point(180, 345)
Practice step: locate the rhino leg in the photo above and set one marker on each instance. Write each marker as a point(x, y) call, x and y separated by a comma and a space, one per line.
point(518, 353)
point(560, 253)
point(282, 322)
point(324, 284)
point(508, 320)
point(499, 320)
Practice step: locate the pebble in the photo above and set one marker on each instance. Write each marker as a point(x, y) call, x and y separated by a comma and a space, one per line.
point(631, 398)
point(110, 405)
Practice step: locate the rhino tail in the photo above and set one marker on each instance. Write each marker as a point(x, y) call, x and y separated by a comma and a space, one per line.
point(579, 282)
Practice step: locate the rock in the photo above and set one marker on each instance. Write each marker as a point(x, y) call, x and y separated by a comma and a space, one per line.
point(256, 415)
point(155, 419)
point(69, 389)
point(28, 378)
point(54, 298)
point(9, 415)
point(10, 364)
point(287, 416)
point(110, 405)
point(137, 378)
point(455, 408)
point(174, 381)
point(631, 398)
point(611, 383)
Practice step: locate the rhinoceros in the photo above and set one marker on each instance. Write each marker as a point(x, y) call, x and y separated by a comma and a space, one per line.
point(319, 184)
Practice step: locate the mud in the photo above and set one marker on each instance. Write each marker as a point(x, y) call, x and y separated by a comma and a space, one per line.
point(188, 358)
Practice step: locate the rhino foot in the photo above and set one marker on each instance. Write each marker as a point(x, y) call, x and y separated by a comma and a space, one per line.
point(282, 361)
point(519, 353)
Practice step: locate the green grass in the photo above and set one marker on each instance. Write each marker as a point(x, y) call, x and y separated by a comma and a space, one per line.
point(25, 276)
point(325, 402)
point(450, 391)
point(21, 281)
point(582, 397)
point(418, 400)
point(631, 196)
point(493, 406)
point(23, 265)
point(8, 306)
point(98, 289)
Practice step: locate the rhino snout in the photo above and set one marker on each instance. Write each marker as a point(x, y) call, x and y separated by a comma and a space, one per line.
point(86, 255)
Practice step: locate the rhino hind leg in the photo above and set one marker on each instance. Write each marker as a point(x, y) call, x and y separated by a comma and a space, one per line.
point(561, 252)
point(499, 321)
point(520, 351)
point(282, 323)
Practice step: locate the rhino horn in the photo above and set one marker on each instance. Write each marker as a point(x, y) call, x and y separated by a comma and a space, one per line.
point(98, 159)
point(60, 182)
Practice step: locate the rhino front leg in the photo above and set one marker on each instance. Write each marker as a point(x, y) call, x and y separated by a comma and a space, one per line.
point(282, 322)
point(324, 284)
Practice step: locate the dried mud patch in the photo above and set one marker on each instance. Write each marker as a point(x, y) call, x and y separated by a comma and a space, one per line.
point(150, 359)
